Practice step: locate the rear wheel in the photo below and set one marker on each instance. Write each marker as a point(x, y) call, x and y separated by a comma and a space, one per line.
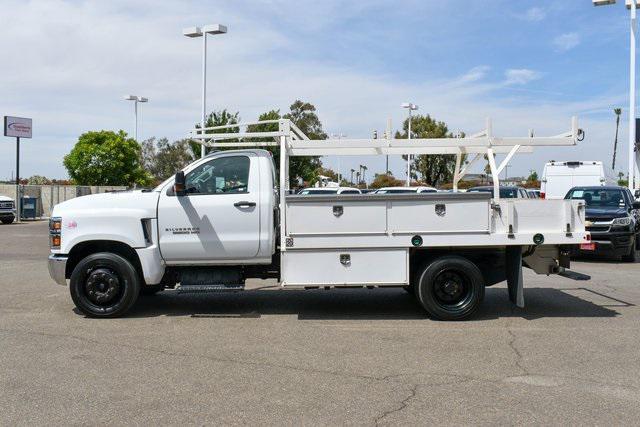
point(104, 285)
point(450, 288)
point(7, 220)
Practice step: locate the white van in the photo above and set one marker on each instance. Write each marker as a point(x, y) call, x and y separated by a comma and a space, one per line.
point(559, 177)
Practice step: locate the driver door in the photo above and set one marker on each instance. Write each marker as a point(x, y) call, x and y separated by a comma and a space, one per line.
point(218, 219)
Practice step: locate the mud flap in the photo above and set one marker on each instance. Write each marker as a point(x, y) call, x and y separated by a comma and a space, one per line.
point(513, 266)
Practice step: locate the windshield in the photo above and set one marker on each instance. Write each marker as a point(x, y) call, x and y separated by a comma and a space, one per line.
point(597, 197)
point(305, 192)
point(396, 191)
point(505, 193)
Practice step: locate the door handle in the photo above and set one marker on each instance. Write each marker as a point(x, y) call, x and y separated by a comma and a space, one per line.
point(244, 204)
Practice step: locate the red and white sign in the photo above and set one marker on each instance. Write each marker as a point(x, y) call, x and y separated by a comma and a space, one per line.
point(17, 126)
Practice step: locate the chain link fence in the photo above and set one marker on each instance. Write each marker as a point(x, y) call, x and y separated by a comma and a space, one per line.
point(48, 196)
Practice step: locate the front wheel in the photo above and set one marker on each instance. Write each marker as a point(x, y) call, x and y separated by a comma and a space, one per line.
point(7, 220)
point(104, 285)
point(634, 252)
point(450, 288)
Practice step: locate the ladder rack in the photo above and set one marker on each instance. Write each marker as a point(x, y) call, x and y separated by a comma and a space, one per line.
point(293, 142)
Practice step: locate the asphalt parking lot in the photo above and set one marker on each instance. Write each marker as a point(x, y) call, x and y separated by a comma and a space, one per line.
point(268, 356)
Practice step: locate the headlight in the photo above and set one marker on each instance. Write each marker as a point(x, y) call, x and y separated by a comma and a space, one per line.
point(622, 221)
point(55, 226)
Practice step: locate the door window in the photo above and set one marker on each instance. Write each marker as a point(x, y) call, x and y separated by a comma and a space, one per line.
point(223, 175)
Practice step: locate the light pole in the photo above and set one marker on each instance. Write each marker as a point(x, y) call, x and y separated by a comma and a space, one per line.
point(633, 161)
point(411, 107)
point(135, 100)
point(193, 32)
point(339, 136)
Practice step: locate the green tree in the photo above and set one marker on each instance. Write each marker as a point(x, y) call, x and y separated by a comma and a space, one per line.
point(432, 169)
point(533, 176)
point(38, 180)
point(386, 180)
point(162, 159)
point(106, 158)
point(217, 118)
point(303, 115)
point(622, 182)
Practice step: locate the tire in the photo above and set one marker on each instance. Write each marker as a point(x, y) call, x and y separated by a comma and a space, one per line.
point(104, 285)
point(7, 220)
point(450, 288)
point(634, 253)
point(149, 290)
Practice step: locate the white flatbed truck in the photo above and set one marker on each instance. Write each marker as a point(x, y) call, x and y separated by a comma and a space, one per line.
point(229, 217)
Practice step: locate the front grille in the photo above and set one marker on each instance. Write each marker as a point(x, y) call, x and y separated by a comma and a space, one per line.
point(598, 228)
point(6, 205)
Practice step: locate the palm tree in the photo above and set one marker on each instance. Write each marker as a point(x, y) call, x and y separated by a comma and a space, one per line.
point(617, 112)
point(364, 171)
point(352, 171)
point(357, 178)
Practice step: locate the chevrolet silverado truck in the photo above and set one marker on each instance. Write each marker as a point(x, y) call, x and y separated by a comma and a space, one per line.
point(229, 217)
point(613, 221)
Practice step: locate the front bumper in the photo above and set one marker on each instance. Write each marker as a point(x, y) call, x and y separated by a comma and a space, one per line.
point(58, 268)
point(7, 213)
point(614, 242)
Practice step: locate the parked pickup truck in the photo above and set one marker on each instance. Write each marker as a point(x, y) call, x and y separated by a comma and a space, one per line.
point(613, 220)
point(226, 218)
point(7, 210)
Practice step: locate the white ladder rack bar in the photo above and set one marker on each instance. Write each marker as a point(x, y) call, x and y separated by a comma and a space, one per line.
point(293, 142)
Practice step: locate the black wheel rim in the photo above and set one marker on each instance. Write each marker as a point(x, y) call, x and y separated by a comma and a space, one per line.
point(103, 287)
point(452, 289)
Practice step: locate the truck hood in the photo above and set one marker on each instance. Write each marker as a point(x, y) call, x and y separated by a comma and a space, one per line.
point(5, 199)
point(601, 214)
point(137, 204)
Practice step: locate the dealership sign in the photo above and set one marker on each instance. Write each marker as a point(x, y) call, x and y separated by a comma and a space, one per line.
point(19, 127)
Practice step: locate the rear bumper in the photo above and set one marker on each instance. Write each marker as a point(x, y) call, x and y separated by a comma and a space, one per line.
point(58, 268)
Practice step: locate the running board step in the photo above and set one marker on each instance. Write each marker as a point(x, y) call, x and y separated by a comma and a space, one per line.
point(201, 289)
point(574, 275)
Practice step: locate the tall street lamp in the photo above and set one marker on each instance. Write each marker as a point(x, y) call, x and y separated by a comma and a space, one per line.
point(411, 107)
point(633, 160)
point(202, 32)
point(135, 100)
point(339, 136)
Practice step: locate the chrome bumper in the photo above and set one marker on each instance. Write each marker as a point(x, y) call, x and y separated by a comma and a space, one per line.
point(57, 268)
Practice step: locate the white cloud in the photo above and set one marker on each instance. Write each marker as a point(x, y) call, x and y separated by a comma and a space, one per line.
point(476, 73)
point(534, 14)
point(566, 41)
point(520, 76)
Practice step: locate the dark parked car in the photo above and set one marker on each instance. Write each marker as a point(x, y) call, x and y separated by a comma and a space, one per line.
point(613, 219)
point(505, 192)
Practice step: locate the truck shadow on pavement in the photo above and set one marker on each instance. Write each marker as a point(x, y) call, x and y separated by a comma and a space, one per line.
point(379, 304)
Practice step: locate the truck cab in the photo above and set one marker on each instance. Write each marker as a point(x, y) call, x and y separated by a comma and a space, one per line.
point(223, 214)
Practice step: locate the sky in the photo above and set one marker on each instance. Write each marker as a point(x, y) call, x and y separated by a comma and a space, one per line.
point(525, 64)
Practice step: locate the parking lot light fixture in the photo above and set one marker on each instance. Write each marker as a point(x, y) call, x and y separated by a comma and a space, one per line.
point(193, 32)
point(634, 157)
point(411, 107)
point(135, 100)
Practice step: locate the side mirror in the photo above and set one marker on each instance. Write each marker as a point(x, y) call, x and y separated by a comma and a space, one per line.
point(637, 194)
point(636, 205)
point(179, 184)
